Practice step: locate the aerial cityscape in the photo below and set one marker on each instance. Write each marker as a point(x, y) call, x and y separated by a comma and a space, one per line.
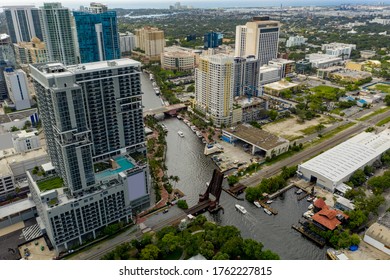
point(194, 131)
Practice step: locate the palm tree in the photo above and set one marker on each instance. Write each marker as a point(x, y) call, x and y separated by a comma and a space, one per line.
point(175, 179)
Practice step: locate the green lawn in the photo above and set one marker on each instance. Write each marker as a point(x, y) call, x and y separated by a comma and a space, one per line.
point(384, 121)
point(309, 130)
point(377, 112)
point(50, 184)
point(382, 87)
point(326, 92)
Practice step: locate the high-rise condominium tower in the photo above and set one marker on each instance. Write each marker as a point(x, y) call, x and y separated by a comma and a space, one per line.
point(97, 35)
point(214, 79)
point(259, 37)
point(23, 23)
point(93, 122)
point(59, 33)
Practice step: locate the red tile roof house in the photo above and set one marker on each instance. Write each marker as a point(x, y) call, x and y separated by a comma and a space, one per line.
point(326, 217)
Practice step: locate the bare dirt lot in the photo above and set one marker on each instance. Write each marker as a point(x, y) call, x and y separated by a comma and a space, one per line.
point(291, 129)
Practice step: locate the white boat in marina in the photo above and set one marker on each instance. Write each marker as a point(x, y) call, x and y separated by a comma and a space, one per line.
point(267, 211)
point(269, 201)
point(181, 134)
point(241, 209)
point(257, 204)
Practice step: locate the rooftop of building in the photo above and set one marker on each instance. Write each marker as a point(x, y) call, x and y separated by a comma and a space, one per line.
point(316, 57)
point(282, 60)
point(281, 85)
point(336, 45)
point(24, 134)
point(12, 158)
point(16, 207)
point(58, 68)
point(178, 53)
point(353, 74)
point(380, 230)
point(245, 101)
point(258, 137)
point(329, 217)
point(344, 159)
point(345, 202)
point(20, 115)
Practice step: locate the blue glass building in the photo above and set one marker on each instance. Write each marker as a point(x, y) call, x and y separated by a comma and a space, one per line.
point(97, 35)
point(212, 39)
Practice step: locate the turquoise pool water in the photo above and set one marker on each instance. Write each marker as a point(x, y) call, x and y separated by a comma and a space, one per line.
point(123, 163)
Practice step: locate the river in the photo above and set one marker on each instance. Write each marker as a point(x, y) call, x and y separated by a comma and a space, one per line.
point(185, 159)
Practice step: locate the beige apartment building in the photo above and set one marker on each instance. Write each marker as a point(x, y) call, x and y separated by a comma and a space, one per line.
point(151, 40)
point(31, 52)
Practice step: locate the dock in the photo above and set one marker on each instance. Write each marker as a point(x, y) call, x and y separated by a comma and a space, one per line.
point(310, 235)
point(279, 192)
point(266, 206)
point(232, 194)
point(302, 196)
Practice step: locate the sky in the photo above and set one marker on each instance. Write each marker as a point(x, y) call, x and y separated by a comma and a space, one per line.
point(136, 4)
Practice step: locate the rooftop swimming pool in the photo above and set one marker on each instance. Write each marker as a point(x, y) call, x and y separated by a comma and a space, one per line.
point(124, 164)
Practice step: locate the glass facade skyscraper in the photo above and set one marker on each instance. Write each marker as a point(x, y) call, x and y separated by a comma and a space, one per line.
point(97, 36)
point(23, 23)
point(59, 33)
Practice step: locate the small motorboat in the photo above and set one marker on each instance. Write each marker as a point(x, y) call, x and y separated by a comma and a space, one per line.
point(241, 209)
point(257, 204)
point(269, 201)
point(267, 211)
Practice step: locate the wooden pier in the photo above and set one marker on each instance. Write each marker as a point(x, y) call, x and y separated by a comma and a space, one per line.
point(232, 194)
point(311, 235)
point(279, 192)
point(302, 196)
point(266, 206)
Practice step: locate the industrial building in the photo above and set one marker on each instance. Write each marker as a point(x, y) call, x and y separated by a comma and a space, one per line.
point(335, 166)
point(262, 142)
point(378, 235)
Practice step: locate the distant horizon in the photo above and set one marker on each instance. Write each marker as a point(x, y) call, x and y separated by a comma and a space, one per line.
point(164, 4)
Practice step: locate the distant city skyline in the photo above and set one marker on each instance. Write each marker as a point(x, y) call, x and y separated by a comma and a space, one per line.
point(155, 4)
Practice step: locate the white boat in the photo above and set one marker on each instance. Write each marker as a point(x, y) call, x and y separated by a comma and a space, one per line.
point(267, 211)
point(181, 134)
point(269, 201)
point(299, 191)
point(241, 209)
point(257, 204)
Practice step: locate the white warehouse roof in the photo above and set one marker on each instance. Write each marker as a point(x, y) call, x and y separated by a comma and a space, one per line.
point(344, 159)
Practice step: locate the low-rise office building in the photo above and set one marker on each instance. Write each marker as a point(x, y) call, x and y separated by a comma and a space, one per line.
point(277, 87)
